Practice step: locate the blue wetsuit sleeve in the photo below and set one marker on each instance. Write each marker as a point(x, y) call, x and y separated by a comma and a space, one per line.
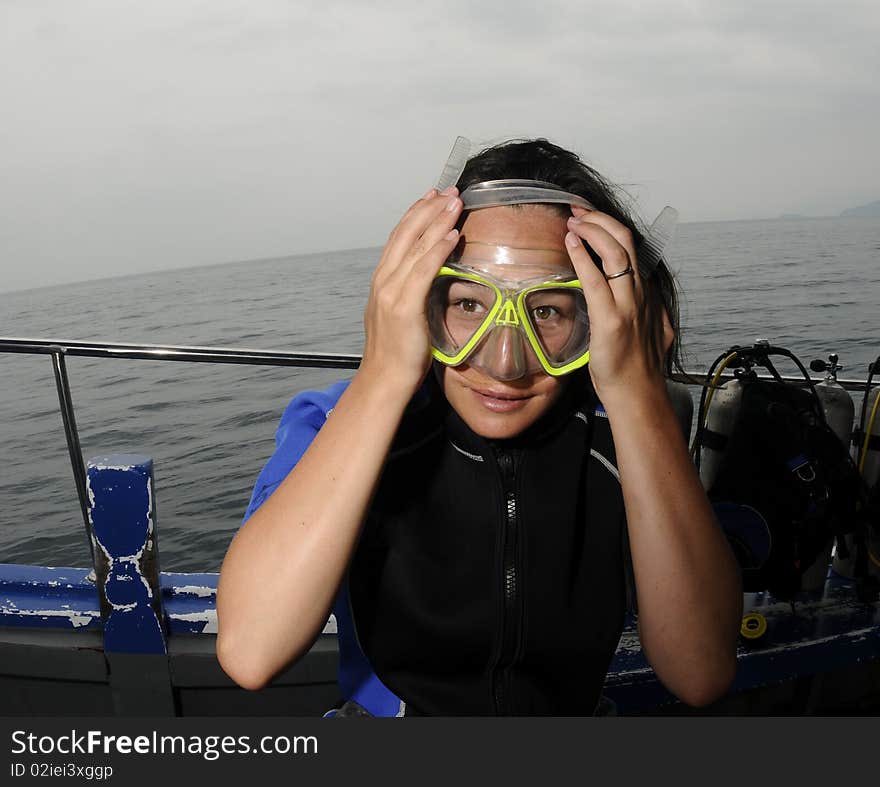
point(299, 424)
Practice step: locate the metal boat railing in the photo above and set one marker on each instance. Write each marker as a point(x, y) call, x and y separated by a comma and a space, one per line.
point(58, 350)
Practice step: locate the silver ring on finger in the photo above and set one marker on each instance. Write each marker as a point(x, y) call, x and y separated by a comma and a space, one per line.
point(627, 271)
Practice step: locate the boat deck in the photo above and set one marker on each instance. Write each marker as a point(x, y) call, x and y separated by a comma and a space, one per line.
point(820, 657)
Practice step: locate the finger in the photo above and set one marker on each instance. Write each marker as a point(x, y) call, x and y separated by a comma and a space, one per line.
point(424, 271)
point(410, 228)
point(600, 300)
point(614, 256)
point(430, 194)
point(620, 232)
point(438, 228)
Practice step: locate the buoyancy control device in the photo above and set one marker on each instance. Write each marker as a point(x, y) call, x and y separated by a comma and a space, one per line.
point(782, 481)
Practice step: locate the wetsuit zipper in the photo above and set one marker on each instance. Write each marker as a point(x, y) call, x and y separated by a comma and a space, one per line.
point(510, 616)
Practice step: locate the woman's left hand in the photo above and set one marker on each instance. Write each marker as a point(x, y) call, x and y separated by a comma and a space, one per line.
point(687, 579)
point(626, 352)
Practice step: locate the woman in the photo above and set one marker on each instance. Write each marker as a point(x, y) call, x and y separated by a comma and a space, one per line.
point(474, 528)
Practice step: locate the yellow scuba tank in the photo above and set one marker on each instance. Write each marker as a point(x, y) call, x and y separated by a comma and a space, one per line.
point(869, 451)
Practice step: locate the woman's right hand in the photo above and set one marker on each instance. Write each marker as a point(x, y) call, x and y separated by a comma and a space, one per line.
point(398, 344)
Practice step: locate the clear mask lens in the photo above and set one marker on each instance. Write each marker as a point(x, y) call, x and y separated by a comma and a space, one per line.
point(507, 332)
point(558, 318)
point(505, 354)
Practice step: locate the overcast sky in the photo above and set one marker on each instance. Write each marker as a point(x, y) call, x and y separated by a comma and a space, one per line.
point(168, 133)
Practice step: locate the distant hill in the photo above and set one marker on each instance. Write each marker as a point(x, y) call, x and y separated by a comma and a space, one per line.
point(871, 209)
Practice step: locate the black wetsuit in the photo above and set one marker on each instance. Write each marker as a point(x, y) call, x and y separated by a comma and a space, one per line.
point(493, 577)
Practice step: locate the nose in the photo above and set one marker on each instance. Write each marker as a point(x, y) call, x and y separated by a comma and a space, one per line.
point(504, 355)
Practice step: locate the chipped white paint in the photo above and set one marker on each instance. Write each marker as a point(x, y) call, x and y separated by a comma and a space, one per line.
point(53, 583)
point(76, 618)
point(111, 466)
point(202, 591)
point(208, 617)
point(107, 555)
point(857, 635)
point(629, 645)
point(90, 492)
point(131, 560)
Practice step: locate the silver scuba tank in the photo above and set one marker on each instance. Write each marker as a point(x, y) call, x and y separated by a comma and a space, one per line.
point(837, 404)
point(722, 413)
point(871, 474)
point(839, 411)
point(683, 404)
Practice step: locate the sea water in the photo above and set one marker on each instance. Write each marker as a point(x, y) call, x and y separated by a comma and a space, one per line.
point(811, 285)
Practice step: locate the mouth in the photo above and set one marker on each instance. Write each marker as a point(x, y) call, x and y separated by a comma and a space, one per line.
point(500, 401)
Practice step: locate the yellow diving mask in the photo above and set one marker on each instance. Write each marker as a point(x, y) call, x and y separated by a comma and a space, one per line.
point(509, 312)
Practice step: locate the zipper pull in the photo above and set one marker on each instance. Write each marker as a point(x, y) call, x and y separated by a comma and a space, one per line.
point(507, 464)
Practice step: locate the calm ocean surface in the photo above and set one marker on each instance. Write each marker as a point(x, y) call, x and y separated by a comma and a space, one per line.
point(812, 285)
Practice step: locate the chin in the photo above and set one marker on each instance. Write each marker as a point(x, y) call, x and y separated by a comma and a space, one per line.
point(498, 410)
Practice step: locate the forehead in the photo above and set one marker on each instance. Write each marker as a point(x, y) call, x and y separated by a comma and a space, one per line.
point(515, 242)
point(522, 226)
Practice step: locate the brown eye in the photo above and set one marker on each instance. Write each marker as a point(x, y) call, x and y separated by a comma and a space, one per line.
point(544, 312)
point(470, 306)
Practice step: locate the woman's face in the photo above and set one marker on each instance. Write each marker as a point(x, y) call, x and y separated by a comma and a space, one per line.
point(502, 408)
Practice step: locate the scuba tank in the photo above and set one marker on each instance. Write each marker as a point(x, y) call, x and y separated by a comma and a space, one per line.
point(719, 407)
point(720, 420)
point(780, 478)
point(867, 450)
point(837, 404)
point(870, 463)
point(839, 410)
point(683, 404)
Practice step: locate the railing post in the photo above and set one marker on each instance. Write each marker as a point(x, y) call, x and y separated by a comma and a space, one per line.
point(65, 403)
point(123, 519)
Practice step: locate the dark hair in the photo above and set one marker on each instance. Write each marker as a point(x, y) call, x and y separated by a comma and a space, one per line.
point(538, 159)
